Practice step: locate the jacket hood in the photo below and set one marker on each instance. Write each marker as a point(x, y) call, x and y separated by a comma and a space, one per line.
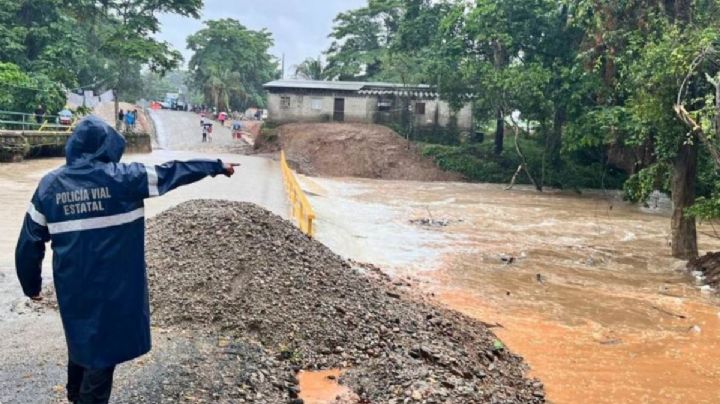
point(94, 140)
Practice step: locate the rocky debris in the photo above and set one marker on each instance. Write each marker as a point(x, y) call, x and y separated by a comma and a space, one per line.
point(197, 369)
point(430, 222)
point(237, 272)
point(351, 150)
point(707, 270)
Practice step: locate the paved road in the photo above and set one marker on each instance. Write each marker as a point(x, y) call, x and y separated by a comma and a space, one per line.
point(32, 346)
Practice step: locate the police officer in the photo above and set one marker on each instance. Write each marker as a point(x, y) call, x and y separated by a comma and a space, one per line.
point(92, 211)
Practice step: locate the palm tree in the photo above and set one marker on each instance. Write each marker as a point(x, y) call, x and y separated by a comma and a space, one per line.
point(221, 84)
point(310, 69)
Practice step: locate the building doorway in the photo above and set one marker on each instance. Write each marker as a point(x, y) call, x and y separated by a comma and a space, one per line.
point(339, 110)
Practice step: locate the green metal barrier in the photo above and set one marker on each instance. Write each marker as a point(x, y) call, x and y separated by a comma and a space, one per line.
point(10, 120)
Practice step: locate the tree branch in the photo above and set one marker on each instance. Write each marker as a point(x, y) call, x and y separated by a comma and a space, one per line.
point(523, 161)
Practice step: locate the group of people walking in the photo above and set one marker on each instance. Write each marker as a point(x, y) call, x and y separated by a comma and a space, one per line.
point(127, 119)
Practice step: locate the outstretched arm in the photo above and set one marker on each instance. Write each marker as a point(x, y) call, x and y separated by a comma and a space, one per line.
point(30, 250)
point(147, 181)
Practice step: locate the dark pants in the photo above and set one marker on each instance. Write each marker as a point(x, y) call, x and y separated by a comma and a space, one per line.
point(89, 386)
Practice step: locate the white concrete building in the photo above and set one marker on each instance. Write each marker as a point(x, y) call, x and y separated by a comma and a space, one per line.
point(349, 101)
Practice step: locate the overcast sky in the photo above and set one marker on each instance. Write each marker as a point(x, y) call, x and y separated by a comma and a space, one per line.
point(300, 28)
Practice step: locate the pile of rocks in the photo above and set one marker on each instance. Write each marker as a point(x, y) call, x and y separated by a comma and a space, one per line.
point(237, 273)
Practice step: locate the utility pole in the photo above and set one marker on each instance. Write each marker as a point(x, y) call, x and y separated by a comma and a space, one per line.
point(283, 66)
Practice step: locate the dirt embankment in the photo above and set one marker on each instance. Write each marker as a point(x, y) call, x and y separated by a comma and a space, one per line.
point(352, 150)
point(239, 275)
point(106, 111)
point(707, 268)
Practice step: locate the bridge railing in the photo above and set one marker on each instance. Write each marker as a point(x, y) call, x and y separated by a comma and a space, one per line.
point(302, 211)
point(28, 122)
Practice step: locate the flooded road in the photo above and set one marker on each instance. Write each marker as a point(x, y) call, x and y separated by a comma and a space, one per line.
point(582, 286)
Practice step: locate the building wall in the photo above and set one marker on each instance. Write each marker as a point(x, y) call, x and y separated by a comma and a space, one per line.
point(319, 108)
point(440, 110)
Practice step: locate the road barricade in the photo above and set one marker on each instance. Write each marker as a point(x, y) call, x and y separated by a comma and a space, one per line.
point(302, 211)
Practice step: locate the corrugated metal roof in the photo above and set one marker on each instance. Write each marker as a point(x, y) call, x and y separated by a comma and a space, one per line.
point(410, 92)
point(316, 85)
point(389, 88)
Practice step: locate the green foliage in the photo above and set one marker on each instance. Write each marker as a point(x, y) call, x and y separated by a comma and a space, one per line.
point(88, 44)
point(478, 162)
point(21, 92)
point(388, 40)
point(706, 208)
point(311, 69)
point(230, 64)
point(641, 185)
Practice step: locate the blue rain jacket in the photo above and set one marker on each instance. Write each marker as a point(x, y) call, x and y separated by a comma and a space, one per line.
point(91, 209)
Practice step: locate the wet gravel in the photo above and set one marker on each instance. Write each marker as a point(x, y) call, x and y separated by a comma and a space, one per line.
point(262, 301)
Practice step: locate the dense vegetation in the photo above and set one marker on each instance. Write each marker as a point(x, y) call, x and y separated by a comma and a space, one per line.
point(230, 65)
point(81, 45)
point(591, 92)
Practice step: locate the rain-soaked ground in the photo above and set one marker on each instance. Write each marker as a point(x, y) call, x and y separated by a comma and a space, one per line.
point(582, 286)
point(32, 345)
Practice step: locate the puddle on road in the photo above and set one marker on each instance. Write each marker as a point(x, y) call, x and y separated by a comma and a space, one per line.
point(322, 387)
point(592, 298)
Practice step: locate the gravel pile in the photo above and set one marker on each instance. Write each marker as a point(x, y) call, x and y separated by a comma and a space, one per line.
point(186, 368)
point(237, 273)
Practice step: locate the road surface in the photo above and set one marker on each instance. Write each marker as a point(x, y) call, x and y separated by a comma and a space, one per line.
point(32, 344)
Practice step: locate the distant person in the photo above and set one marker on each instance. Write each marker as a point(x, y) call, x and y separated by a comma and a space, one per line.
point(258, 114)
point(39, 114)
point(135, 118)
point(237, 129)
point(121, 119)
point(207, 132)
point(129, 121)
point(91, 212)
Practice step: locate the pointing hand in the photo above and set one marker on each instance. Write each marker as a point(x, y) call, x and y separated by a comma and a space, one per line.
point(230, 168)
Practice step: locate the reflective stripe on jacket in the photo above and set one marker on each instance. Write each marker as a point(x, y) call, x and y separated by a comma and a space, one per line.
point(92, 211)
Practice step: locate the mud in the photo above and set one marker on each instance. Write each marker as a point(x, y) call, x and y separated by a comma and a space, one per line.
point(583, 286)
point(352, 150)
point(323, 387)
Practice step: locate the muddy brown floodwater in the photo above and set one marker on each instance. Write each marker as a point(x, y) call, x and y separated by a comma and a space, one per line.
point(582, 286)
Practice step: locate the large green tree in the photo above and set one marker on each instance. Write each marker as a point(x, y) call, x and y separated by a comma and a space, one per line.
point(231, 63)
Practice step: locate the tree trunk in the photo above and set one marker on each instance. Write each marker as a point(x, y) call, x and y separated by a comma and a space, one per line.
point(118, 124)
point(684, 235)
point(555, 140)
point(499, 133)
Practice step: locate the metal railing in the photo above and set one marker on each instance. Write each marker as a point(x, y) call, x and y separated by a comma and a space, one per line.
point(302, 211)
point(28, 122)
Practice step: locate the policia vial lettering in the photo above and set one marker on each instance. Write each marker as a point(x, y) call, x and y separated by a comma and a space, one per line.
point(83, 201)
